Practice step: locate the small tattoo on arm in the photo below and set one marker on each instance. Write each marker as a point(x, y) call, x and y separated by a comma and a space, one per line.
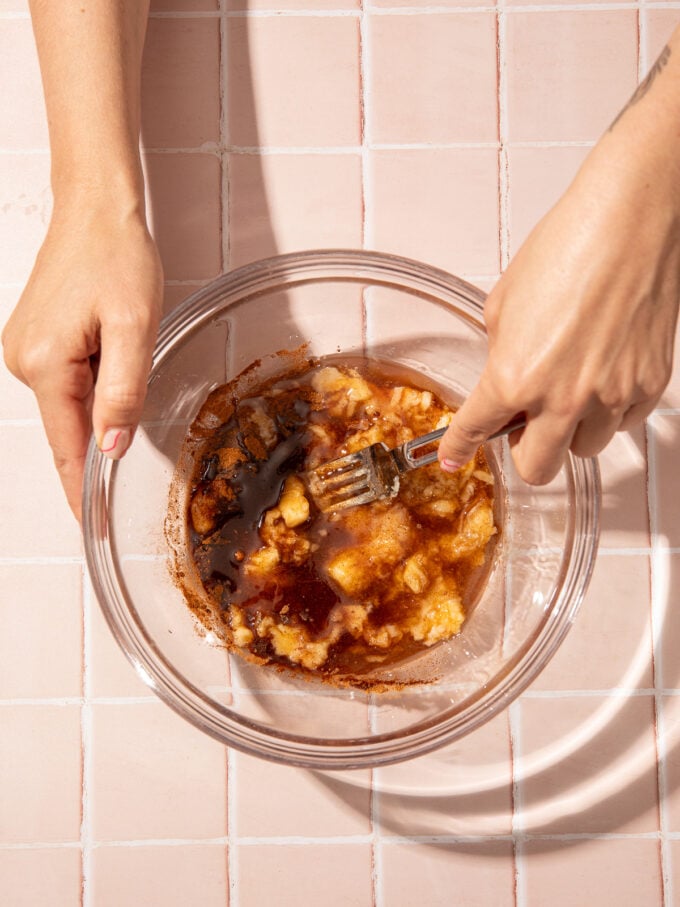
point(646, 83)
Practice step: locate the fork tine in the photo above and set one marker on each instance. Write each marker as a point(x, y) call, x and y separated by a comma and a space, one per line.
point(339, 465)
point(339, 503)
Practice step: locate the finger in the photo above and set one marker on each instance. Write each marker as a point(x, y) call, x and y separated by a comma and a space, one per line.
point(480, 416)
point(120, 390)
point(66, 418)
point(595, 431)
point(540, 450)
point(637, 413)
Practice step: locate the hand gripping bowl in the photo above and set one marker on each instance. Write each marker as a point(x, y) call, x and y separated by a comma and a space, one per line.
point(354, 303)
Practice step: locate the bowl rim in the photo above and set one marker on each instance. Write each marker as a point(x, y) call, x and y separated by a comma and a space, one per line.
point(256, 278)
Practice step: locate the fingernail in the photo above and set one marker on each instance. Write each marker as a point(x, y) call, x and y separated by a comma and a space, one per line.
point(115, 442)
point(449, 465)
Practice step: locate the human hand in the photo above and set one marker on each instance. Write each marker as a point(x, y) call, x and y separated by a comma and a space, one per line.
point(582, 323)
point(83, 332)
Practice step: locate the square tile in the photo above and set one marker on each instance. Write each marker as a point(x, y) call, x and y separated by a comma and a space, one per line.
point(418, 4)
point(181, 83)
point(441, 875)
point(537, 179)
point(288, 202)
point(23, 122)
point(439, 206)
point(41, 876)
point(293, 81)
point(433, 78)
point(171, 876)
point(184, 5)
point(670, 760)
point(154, 775)
point(587, 765)
point(40, 774)
point(617, 600)
point(184, 193)
point(36, 519)
point(666, 578)
point(569, 72)
point(462, 789)
point(279, 801)
point(25, 209)
point(563, 873)
point(304, 874)
point(673, 850)
point(110, 674)
point(664, 434)
point(660, 25)
point(312, 5)
point(41, 646)
point(624, 520)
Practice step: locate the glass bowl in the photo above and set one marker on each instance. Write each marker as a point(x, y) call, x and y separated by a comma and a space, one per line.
point(353, 303)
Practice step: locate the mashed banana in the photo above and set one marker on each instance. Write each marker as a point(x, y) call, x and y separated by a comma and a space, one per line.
point(339, 593)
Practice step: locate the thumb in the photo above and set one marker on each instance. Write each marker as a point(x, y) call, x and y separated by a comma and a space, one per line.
point(480, 416)
point(125, 360)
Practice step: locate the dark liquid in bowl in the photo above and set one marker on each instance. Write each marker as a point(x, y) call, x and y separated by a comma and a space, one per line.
point(344, 593)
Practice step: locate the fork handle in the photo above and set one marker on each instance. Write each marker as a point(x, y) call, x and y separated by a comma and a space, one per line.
point(410, 447)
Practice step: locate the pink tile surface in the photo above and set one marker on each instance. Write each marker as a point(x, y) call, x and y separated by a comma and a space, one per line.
point(172, 876)
point(664, 436)
point(36, 519)
point(311, 873)
point(619, 595)
point(440, 874)
point(40, 774)
point(440, 206)
point(454, 97)
point(282, 73)
point(283, 202)
point(270, 796)
point(40, 876)
point(24, 213)
point(602, 872)
point(660, 25)
point(153, 776)
point(463, 789)
point(36, 630)
point(181, 73)
point(185, 213)
point(24, 125)
point(569, 72)
point(587, 765)
point(375, 125)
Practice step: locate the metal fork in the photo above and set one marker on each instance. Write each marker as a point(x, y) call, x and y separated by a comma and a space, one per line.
point(373, 473)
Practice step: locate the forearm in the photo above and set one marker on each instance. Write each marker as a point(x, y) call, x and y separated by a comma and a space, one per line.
point(90, 58)
point(641, 148)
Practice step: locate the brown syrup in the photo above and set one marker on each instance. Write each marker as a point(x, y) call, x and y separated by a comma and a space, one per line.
point(297, 595)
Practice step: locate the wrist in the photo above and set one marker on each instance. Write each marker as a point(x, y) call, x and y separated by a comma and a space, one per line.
point(116, 193)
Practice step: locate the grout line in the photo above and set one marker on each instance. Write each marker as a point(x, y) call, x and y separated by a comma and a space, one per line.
point(516, 791)
point(345, 840)
point(232, 862)
point(659, 597)
point(225, 218)
point(223, 147)
point(503, 162)
point(86, 745)
point(377, 892)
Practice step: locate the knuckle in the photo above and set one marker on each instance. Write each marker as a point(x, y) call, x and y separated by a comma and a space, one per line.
point(121, 398)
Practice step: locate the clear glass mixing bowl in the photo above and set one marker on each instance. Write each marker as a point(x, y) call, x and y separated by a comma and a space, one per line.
point(355, 303)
